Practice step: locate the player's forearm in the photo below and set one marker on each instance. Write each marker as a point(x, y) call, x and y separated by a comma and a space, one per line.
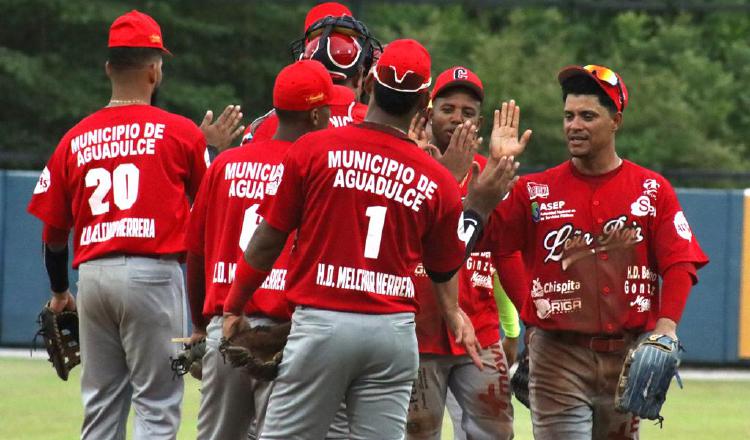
point(55, 249)
point(508, 314)
point(253, 267)
point(676, 284)
point(446, 294)
point(196, 288)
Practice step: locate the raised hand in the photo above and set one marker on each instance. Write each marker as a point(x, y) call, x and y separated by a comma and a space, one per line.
point(489, 187)
point(504, 140)
point(462, 147)
point(418, 132)
point(226, 127)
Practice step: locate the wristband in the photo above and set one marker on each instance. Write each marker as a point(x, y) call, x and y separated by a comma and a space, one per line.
point(471, 229)
point(247, 280)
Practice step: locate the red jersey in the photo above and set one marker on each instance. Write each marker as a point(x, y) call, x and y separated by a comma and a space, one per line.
point(120, 178)
point(594, 246)
point(348, 111)
point(475, 296)
point(368, 205)
point(224, 218)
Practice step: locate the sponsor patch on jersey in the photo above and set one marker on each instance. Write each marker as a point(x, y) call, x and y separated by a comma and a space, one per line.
point(537, 190)
point(650, 187)
point(535, 213)
point(642, 207)
point(546, 308)
point(539, 289)
point(42, 185)
point(682, 227)
point(642, 303)
point(555, 210)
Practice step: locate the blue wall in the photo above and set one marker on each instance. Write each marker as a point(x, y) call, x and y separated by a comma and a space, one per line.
point(709, 328)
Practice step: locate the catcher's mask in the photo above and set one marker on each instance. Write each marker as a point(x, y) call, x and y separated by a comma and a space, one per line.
point(342, 44)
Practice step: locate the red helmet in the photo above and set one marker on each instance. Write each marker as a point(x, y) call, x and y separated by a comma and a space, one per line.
point(341, 54)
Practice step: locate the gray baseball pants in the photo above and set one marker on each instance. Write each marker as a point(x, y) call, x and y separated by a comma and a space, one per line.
point(130, 307)
point(483, 397)
point(367, 361)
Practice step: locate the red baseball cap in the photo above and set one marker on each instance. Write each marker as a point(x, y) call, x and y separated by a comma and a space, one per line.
point(136, 29)
point(404, 66)
point(342, 95)
point(606, 78)
point(458, 76)
point(323, 10)
point(302, 86)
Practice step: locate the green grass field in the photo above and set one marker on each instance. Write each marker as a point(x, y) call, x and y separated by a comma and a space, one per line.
point(36, 405)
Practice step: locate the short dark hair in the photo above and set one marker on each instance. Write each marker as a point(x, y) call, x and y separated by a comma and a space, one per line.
point(122, 58)
point(584, 85)
point(291, 116)
point(395, 102)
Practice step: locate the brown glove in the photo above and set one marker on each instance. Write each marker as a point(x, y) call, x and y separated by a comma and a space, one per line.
point(257, 350)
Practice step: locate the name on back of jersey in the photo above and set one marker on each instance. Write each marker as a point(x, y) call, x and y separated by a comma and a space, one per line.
point(116, 141)
point(363, 280)
point(253, 180)
point(383, 176)
point(224, 273)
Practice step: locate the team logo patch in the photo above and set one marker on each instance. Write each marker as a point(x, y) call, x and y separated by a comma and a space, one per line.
point(42, 185)
point(537, 190)
point(535, 213)
point(650, 187)
point(460, 73)
point(682, 227)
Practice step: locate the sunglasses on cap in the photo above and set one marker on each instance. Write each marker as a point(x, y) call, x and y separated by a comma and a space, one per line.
point(409, 82)
point(608, 76)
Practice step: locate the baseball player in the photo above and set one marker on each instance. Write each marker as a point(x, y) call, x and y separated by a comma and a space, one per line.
point(352, 335)
point(346, 48)
point(483, 396)
point(121, 179)
point(597, 232)
point(222, 221)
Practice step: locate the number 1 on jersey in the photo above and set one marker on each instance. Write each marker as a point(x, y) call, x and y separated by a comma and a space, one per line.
point(374, 230)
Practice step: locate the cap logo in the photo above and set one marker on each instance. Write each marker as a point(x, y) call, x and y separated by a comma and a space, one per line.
point(154, 38)
point(460, 73)
point(403, 77)
point(311, 99)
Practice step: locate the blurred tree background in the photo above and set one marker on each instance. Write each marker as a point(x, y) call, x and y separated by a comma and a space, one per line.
point(685, 64)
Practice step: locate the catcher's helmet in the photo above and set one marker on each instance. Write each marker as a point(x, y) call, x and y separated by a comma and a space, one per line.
point(341, 44)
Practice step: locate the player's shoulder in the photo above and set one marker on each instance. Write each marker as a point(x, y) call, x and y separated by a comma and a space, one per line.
point(179, 121)
point(561, 171)
point(633, 169)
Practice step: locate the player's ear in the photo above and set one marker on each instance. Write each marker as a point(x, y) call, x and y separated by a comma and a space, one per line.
point(480, 121)
point(369, 83)
point(617, 121)
point(424, 101)
point(108, 69)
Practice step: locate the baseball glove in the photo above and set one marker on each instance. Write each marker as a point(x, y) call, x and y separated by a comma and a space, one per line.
point(519, 383)
point(60, 334)
point(646, 375)
point(257, 350)
point(190, 360)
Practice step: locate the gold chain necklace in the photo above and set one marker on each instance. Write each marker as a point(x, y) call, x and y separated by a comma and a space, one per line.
point(126, 102)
